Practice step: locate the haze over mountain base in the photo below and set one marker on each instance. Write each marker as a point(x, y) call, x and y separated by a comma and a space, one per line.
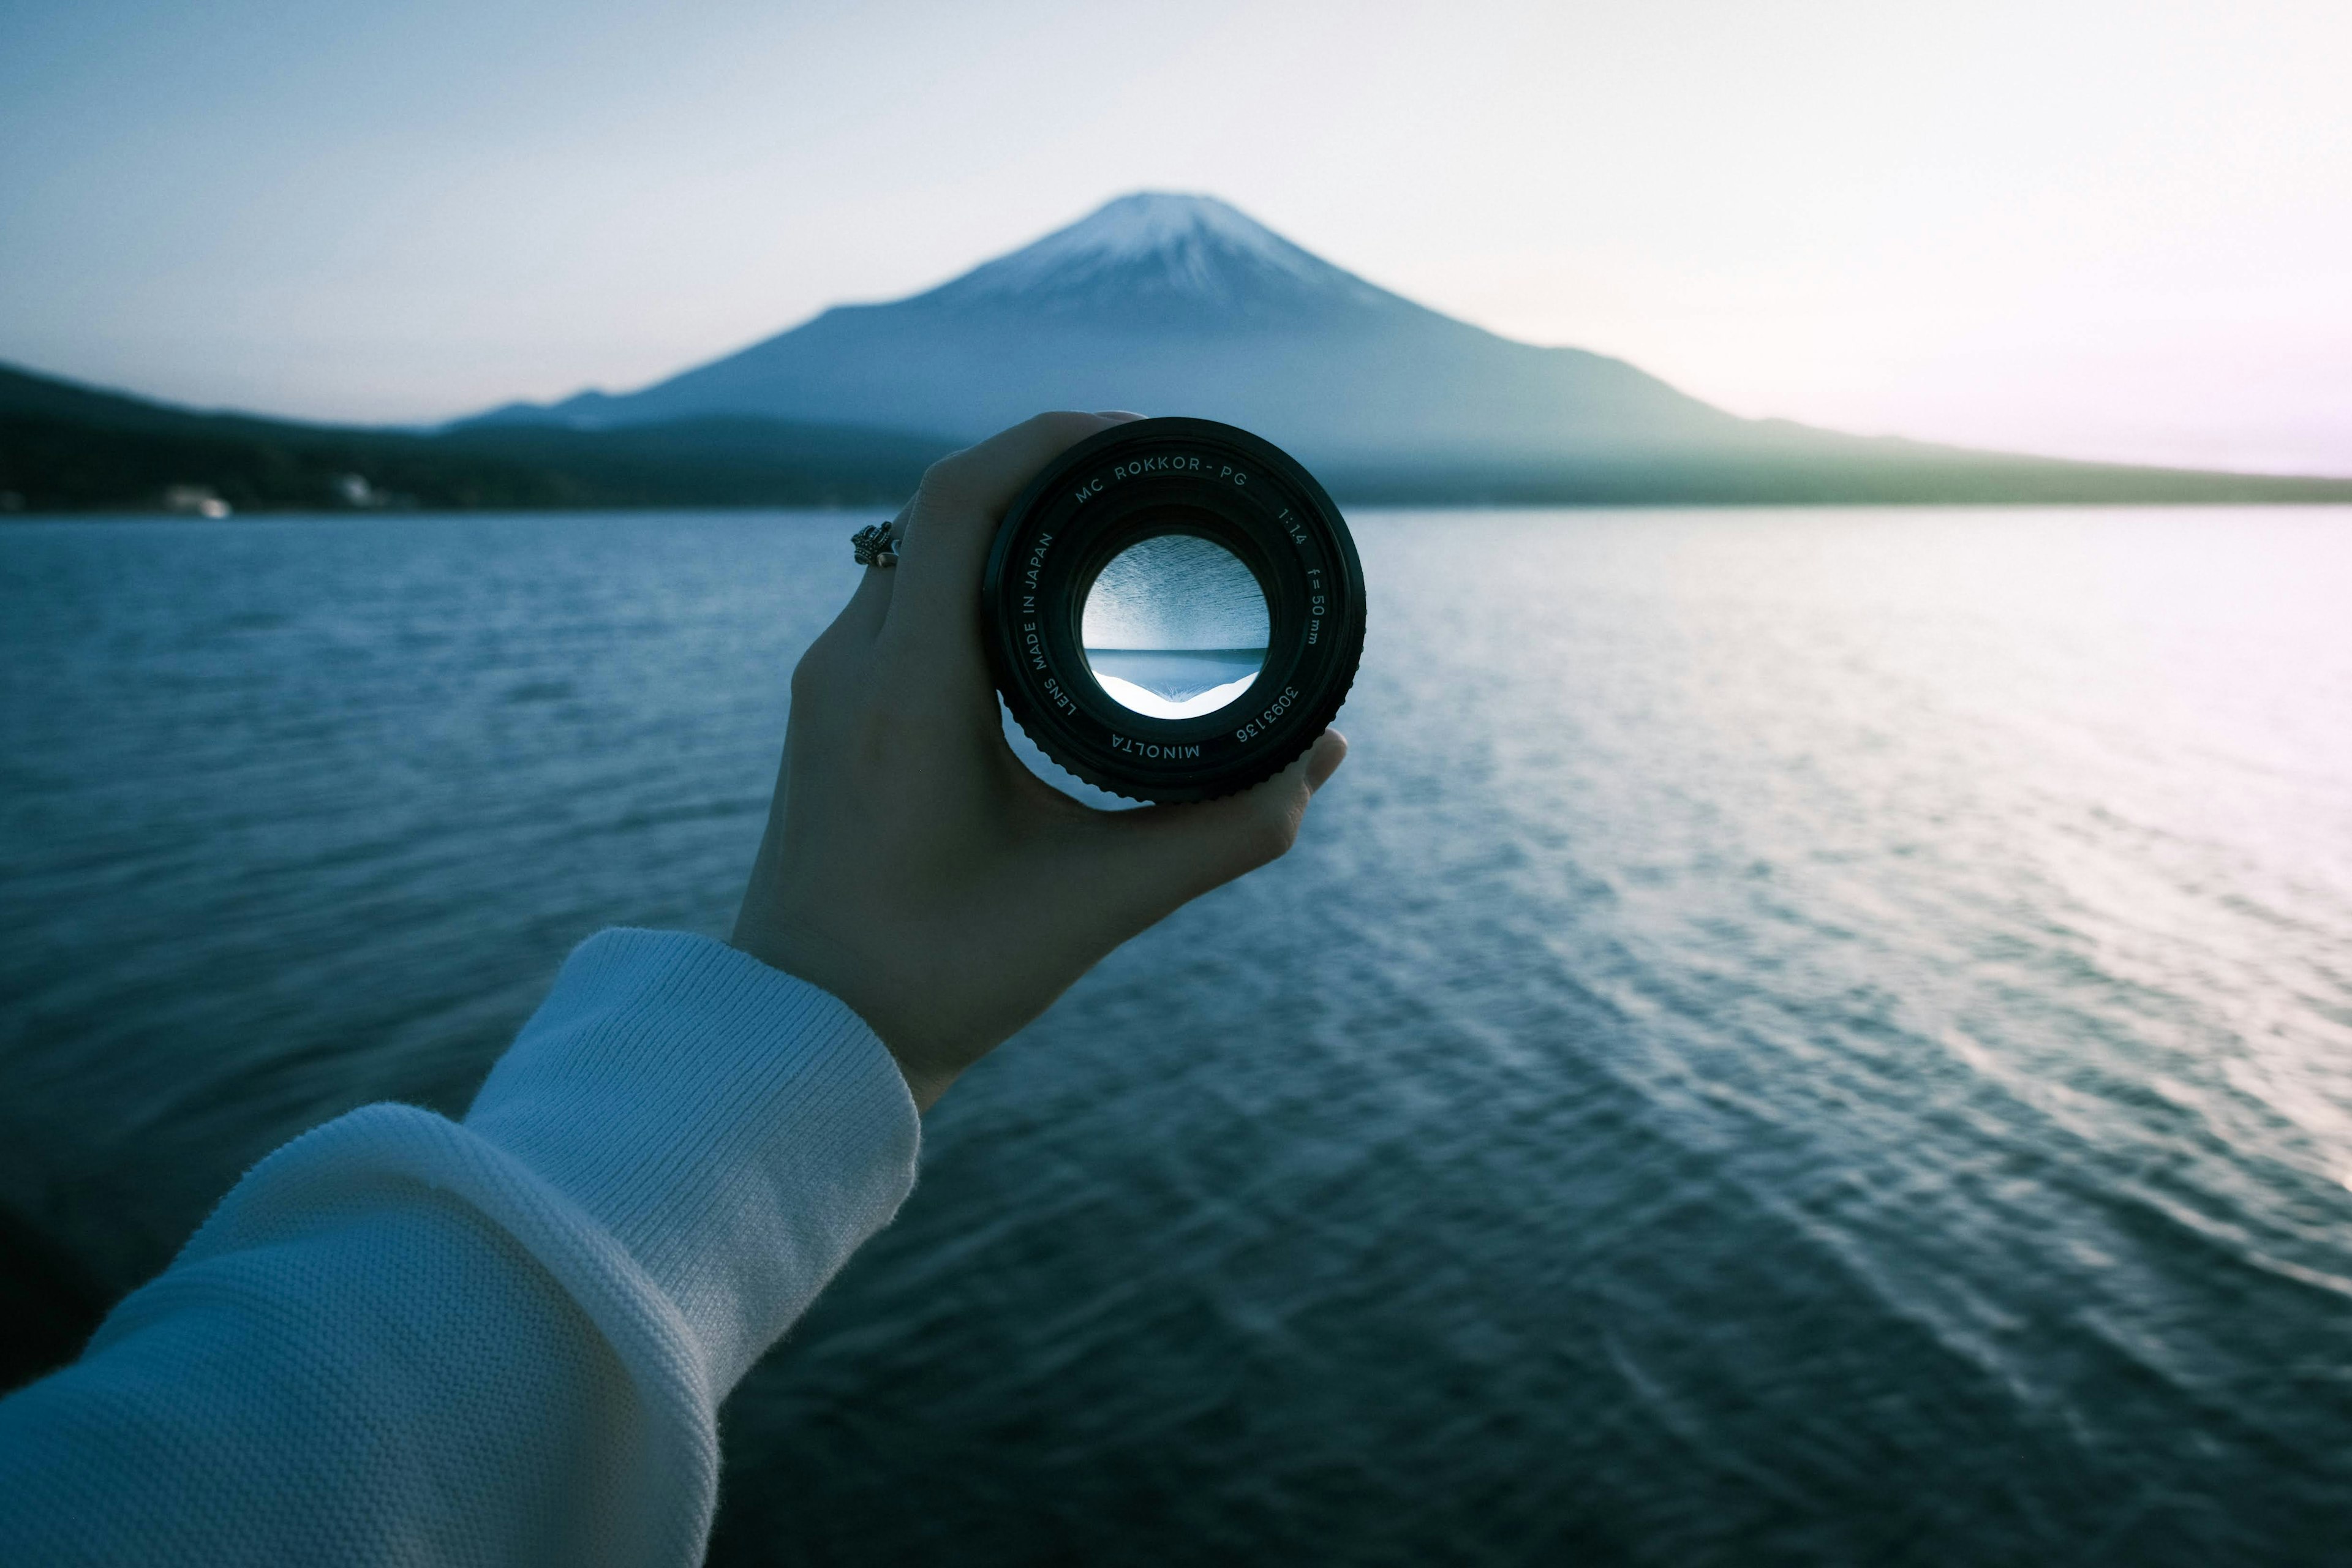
point(66, 448)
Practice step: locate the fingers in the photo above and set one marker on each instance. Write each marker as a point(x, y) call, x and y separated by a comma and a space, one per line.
point(1324, 757)
point(869, 605)
point(1175, 853)
point(953, 520)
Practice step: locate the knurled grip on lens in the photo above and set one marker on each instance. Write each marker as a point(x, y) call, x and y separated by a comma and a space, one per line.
point(1173, 476)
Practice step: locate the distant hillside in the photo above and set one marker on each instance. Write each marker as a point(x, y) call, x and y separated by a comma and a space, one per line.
point(1840, 470)
point(65, 447)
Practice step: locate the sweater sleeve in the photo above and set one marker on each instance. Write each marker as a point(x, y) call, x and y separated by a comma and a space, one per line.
point(405, 1339)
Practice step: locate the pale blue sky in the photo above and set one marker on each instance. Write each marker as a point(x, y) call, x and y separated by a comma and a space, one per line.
point(2105, 229)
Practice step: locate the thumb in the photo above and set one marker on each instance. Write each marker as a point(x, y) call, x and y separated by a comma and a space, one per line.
point(1179, 852)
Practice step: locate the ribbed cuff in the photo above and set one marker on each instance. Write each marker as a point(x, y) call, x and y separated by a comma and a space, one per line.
point(739, 1130)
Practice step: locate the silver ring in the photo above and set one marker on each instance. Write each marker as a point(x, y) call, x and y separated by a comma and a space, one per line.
point(874, 546)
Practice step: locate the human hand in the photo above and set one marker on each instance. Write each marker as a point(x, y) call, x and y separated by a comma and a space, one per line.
point(912, 866)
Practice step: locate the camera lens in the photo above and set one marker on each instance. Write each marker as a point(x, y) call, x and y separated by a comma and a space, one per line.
point(1173, 610)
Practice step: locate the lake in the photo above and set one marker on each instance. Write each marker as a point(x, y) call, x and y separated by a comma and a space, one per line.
point(1797, 1035)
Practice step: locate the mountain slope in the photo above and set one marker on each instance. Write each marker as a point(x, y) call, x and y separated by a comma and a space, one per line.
point(1176, 303)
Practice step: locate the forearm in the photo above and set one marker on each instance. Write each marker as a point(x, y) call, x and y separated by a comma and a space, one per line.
point(400, 1338)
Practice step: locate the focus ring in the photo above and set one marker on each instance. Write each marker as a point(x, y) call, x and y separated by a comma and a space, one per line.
point(1123, 487)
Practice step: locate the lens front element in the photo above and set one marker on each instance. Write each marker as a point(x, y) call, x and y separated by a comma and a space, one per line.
point(1174, 626)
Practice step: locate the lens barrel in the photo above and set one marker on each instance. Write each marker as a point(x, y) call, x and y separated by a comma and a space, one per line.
point(1091, 508)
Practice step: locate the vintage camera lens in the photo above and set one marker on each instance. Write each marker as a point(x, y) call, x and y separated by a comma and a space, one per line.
point(1173, 610)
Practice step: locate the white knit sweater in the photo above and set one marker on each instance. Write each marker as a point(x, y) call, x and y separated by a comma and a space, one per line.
point(405, 1339)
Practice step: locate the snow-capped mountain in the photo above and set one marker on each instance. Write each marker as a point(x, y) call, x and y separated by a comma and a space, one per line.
point(1187, 258)
point(1181, 304)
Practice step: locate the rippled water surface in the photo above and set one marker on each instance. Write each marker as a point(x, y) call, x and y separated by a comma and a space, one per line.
point(1797, 1037)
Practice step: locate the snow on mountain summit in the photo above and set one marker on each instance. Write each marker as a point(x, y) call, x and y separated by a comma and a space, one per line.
point(1165, 248)
point(1163, 221)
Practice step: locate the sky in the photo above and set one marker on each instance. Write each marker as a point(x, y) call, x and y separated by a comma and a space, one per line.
point(2093, 229)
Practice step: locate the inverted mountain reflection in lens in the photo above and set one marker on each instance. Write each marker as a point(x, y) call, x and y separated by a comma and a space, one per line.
point(1174, 626)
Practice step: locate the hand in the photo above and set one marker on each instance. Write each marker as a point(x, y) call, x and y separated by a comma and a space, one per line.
point(912, 866)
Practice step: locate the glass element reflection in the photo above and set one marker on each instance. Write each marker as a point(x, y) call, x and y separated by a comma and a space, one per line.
point(1175, 626)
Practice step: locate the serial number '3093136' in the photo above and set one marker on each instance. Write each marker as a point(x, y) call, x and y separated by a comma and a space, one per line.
point(1257, 726)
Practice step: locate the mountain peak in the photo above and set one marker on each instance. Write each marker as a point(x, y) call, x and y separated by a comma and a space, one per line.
point(1159, 221)
point(1156, 251)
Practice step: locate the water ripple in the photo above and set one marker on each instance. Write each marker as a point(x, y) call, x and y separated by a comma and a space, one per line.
point(1798, 1036)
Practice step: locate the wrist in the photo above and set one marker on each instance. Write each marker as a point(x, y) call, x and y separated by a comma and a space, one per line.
point(832, 968)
